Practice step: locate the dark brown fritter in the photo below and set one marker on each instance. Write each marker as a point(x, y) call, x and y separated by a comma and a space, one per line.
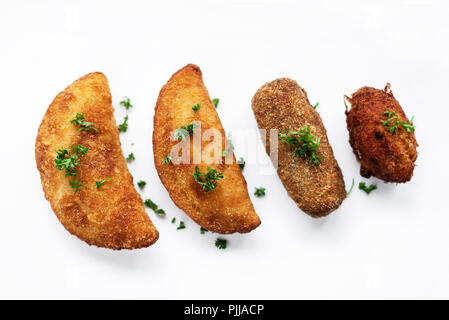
point(113, 216)
point(228, 208)
point(382, 154)
point(317, 189)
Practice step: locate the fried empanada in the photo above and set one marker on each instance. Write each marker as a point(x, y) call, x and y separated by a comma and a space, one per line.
point(225, 209)
point(111, 214)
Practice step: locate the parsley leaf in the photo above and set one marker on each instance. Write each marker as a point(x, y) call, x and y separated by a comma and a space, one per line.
point(84, 125)
point(141, 184)
point(131, 157)
point(303, 142)
point(101, 183)
point(173, 220)
point(208, 181)
point(260, 192)
point(126, 102)
point(167, 159)
point(186, 130)
point(221, 243)
point(123, 127)
point(69, 161)
point(203, 231)
point(316, 105)
point(196, 107)
point(241, 162)
point(150, 204)
point(75, 184)
point(215, 101)
point(181, 226)
point(363, 187)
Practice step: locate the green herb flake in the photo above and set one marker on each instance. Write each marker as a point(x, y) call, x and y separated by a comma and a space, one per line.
point(126, 102)
point(196, 107)
point(66, 161)
point(260, 192)
point(221, 243)
point(123, 127)
point(167, 159)
point(203, 231)
point(304, 144)
point(215, 101)
point(101, 183)
point(208, 181)
point(241, 162)
point(181, 226)
point(186, 130)
point(131, 157)
point(350, 190)
point(150, 204)
point(75, 184)
point(316, 105)
point(393, 125)
point(363, 187)
point(84, 125)
point(141, 184)
point(173, 220)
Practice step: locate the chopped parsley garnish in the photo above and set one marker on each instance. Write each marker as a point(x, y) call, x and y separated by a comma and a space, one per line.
point(101, 183)
point(221, 243)
point(225, 153)
point(229, 147)
point(167, 159)
point(150, 204)
point(141, 184)
point(241, 162)
point(123, 127)
point(75, 184)
point(173, 220)
point(84, 125)
point(363, 187)
point(69, 161)
point(196, 107)
point(260, 192)
point(215, 101)
point(208, 181)
point(181, 226)
point(181, 133)
point(316, 105)
point(203, 231)
point(126, 102)
point(303, 142)
point(393, 125)
point(350, 190)
point(131, 157)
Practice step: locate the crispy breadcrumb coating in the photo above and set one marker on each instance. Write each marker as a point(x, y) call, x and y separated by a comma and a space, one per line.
point(228, 208)
point(317, 189)
point(389, 156)
point(113, 216)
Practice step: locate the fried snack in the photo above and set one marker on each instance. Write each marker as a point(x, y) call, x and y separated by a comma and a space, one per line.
point(112, 216)
point(227, 208)
point(317, 189)
point(385, 148)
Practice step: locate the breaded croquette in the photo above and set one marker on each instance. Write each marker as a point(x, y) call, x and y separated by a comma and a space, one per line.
point(306, 163)
point(214, 195)
point(84, 173)
point(381, 136)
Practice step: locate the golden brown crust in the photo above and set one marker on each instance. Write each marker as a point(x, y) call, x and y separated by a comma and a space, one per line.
point(114, 216)
point(228, 208)
point(387, 156)
point(316, 189)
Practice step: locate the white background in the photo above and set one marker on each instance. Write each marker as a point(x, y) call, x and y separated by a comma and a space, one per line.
point(390, 244)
